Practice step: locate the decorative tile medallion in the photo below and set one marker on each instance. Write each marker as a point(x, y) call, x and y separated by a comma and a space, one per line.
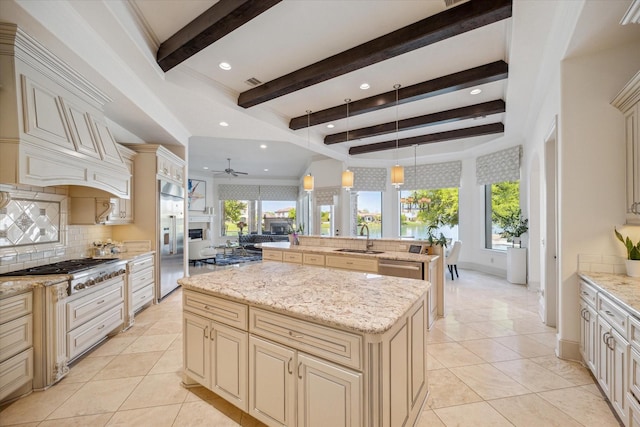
point(29, 222)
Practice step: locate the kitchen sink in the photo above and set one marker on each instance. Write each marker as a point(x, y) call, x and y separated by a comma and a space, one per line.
point(359, 251)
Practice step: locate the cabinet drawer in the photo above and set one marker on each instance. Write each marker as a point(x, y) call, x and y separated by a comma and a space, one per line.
point(271, 255)
point(613, 314)
point(15, 306)
point(331, 344)
point(313, 259)
point(227, 312)
point(142, 278)
point(142, 296)
point(16, 372)
point(88, 306)
point(140, 264)
point(86, 336)
point(588, 292)
point(16, 336)
point(352, 263)
point(292, 257)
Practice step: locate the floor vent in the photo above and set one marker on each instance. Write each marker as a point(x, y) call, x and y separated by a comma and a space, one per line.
point(253, 82)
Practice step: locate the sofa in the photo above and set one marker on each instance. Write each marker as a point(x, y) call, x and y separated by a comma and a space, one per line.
point(250, 240)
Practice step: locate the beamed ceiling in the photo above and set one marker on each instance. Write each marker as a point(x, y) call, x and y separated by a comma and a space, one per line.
point(159, 60)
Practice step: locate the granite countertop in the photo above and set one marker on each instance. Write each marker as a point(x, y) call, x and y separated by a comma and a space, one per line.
point(623, 289)
point(16, 285)
point(402, 256)
point(360, 302)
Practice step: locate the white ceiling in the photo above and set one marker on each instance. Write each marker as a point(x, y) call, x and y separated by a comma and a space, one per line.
point(113, 43)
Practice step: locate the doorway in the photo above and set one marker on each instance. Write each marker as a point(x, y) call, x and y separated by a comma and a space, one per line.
point(549, 285)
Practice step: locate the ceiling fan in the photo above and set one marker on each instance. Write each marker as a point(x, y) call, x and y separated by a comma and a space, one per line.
point(230, 171)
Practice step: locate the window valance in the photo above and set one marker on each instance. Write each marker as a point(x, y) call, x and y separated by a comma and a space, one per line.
point(369, 179)
point(324, 196)
point(257, 192)
point(503, 165)
point(435, 175)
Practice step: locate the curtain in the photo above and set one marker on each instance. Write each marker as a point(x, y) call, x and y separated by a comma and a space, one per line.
point(257, 192)
point(324, 196)
point(432, 176)
point(503, 165)
point(369, 179)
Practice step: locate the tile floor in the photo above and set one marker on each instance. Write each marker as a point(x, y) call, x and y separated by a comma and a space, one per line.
point(491, 362)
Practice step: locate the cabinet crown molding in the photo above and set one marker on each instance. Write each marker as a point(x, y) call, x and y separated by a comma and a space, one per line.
point(629, 95)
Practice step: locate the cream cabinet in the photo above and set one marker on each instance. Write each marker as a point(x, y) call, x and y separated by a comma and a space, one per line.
point(169, 166)
point(293, 257)
point(140, 285)
point(215, 354)
point(313, 259)
point(121, 208)
point(628, 101)
point(588, 334)
point(369, 265)
point(271, 255)
point(16, 345)
point(290, 388)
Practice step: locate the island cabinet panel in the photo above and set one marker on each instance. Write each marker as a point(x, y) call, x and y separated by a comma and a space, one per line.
point(312, 259)
point(369, 265)
point(588, 334)
point(272, 382)
point(195, 333)
point(295, 257)
point(227, 312)
point(271, 255)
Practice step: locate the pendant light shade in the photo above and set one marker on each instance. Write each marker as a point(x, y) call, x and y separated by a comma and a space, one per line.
point(397, 171)
point(347, 179)
point(347, 175)
point(308, 183)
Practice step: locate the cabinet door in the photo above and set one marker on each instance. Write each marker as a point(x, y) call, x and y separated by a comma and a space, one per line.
point(632, 129)
point(328, 395)
point(588, 331)
point(195, 331)
point(229, 350)
point(619, 377)
point(603, 371)
point(417, 351)
point(272, 383)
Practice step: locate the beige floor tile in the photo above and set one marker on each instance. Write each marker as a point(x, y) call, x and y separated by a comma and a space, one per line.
point(569, 370)
point(461, 332)
point(445, 389)
point(433, 363)
point(129, 365)
point(478, 414)
point(113, 346)
point(156, 390)
point(429, 418)
point(164, 327)
point(583, 406)
point(176, 344)
point(38, 405)
point(98, 420)
point(490, 350)
point(139, 327)
point(171, 361)
point(204, 414)
point(158, 416)
point(489, 382)
point(593, 389)
point(526, 346)
point(531, 375)
point(453, 354)
point(547, 338)
point(85, 369)
point(97, 397)
point(531, 410)
point(492, 330)
point(150, 343)
point(436, 335)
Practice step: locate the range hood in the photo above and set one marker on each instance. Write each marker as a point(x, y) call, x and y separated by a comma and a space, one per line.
point(53, 126)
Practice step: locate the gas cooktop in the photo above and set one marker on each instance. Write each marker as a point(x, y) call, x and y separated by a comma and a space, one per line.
point(63, 267)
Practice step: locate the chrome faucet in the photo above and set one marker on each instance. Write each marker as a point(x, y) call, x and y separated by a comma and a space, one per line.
point(369, 242)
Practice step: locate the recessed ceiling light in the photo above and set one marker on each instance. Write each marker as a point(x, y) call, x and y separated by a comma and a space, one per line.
point(330, 125)
point(475, 91)
point(263, 145)
point(266, 170)
point(224, 124)
point(225, 66)
point(364, 86)
point(205, 167)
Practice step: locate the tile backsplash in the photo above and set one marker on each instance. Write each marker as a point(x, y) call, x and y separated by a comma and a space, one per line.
point(598, 263)
point(73, 241)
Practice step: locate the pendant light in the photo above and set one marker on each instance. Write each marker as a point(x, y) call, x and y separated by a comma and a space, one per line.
point(347, 175)
point(307, 183)
point(397, 171)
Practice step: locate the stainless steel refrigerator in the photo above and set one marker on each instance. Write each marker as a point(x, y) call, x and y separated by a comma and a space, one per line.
point(171, 243)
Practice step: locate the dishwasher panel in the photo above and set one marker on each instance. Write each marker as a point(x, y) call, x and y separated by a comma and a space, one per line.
point(408, 269)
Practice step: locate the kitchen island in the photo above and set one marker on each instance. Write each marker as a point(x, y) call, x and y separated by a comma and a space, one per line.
point(301, 345)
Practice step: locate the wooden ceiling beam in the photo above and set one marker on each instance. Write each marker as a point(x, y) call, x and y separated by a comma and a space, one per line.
point(454, 21)
point(216, 22)
point(441, 117)
point(472, 77)
point(489, 129)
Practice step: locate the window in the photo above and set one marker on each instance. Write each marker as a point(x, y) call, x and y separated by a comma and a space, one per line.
point(236, 212)
point(502, 199)
point(256, 216)
point(278, 217)
point(420, 209)
point(326, 220)
point(369, 211)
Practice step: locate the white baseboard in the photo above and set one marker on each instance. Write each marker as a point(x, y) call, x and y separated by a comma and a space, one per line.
point(484, 269)
point(569, 350)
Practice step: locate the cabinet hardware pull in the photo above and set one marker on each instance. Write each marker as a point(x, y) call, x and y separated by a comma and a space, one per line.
point(101, 327)
point(582, 314)
point(604, 338)
point(587, 315)
point(299, 366)
point(611, 346)
point(608, 313)
point(291, 333)
point(100, 302)
point(206, 332)
point(212, 336)
point(289, 365)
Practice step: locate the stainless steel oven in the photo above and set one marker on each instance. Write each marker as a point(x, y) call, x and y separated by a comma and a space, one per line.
point(408, 269)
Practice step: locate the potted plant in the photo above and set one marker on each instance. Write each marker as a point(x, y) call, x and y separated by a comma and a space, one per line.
point(513, 226)
point(432, 236)
point(633, 254)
